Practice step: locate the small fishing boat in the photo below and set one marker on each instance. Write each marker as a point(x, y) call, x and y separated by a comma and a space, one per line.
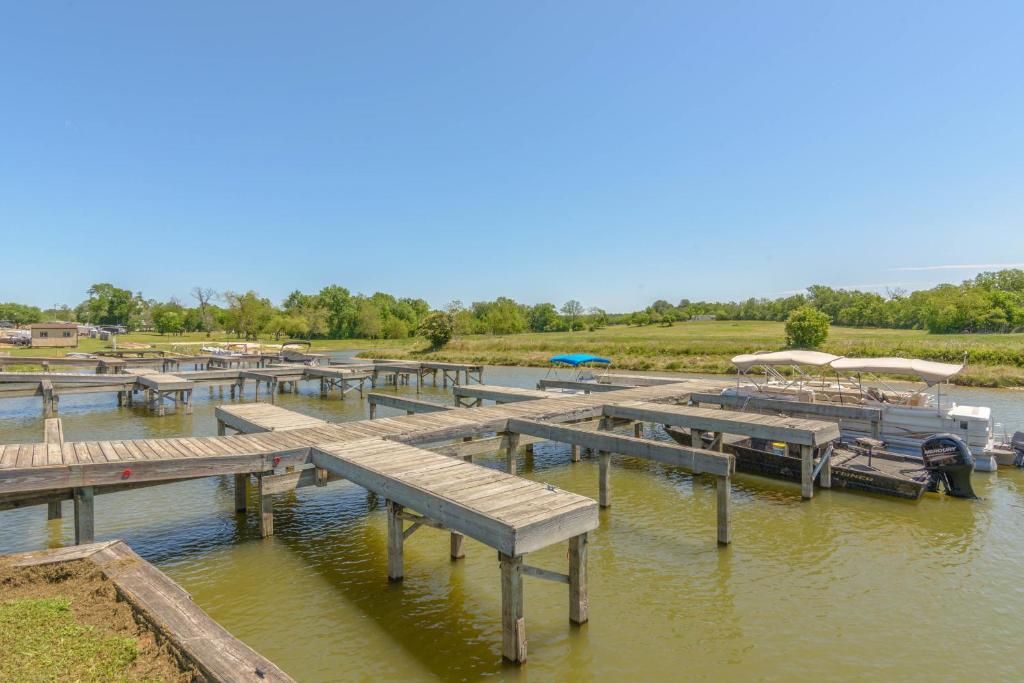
point(583, 366)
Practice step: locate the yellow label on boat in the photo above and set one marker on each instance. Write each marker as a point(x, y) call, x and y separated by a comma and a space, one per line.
point(779, 447)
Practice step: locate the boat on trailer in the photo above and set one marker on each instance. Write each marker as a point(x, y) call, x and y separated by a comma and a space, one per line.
point(909, 417)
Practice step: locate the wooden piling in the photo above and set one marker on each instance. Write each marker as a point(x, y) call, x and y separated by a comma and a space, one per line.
point(513, 625)
point(395, 542)
point(241, 486)
point(458, 546)
point(266, 510)
point(85, 528)
point(510, 444)
point(723, 490)
point(579, 602)
point(605, 479)
point(575, 451)
point(638, 430)
point(825, 478)
point(806, 472)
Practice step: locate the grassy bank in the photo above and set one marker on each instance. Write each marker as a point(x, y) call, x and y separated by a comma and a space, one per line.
point(994, 360)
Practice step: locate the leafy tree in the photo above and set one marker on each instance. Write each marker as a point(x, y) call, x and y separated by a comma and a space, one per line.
point(438, 328)
point(806, 328)
point(110, 305)
point(249, 314)
point(203, 296)
point(20, 314)
point(572, 310)
point(169, 322)
point(543, 318)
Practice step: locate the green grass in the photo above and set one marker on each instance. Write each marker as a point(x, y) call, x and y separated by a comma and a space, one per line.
point(41, 640)
point(993, 359)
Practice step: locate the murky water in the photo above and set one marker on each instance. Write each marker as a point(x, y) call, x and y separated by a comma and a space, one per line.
point(845, 586)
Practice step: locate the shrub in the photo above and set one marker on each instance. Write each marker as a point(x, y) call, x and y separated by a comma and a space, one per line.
point(438, 328)
point(806, 328)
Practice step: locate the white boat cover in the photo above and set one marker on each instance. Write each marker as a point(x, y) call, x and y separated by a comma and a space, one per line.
point(929, 371)
point(795, 357)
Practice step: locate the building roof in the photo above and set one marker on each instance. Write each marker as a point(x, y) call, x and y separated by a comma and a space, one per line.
point(52, 326)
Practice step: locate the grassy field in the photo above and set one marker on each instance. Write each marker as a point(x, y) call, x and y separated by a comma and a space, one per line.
point(993, 359)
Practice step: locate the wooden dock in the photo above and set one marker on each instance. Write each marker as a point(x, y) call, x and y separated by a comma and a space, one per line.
point(408, 460)
point(161, 381)
point(168, 610)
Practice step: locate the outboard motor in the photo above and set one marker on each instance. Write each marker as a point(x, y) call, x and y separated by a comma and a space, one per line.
point(1017, 444)
point(948, 460)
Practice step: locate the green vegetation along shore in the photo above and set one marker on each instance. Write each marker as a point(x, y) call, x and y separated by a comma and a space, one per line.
point(994, 360)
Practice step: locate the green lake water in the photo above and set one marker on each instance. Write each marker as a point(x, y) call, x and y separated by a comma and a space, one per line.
point(843, 587)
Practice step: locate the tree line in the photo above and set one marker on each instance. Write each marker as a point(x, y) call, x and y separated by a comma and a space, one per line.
point(990, 302)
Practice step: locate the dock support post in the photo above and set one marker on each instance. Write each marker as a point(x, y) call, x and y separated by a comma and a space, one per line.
point(806, 472)
point(724, 494)
point(373, 410)
point(241, 485)
point(53, 433)
point(220, 428)
point(458, 546)
point(579, 602)
point(638, 429)
point(85, 528)
point(395, 541)
point(825, 479)
point(575, 450)
point(266, 512)
point(510, 443)
point(188, 401)
point(605, 479)
point(513, 625)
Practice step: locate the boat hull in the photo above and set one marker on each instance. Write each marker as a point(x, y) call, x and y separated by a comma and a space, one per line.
point(853, 475)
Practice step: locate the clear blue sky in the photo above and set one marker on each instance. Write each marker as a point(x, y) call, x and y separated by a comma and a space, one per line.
point(610, 152)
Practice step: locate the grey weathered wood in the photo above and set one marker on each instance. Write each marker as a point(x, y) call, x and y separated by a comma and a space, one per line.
point(790, 430)
point(166, 608)
point(407, 404)
point(692, 459)
point(396, 540)
point(53, 435)
point(241, 492)
point(548, 384)
point(605, 478)
point(579, 600)
point(85, 525)
point(806, 471)
point(513, 625)
point(510, 445)
point(266, 509)
point(723, 492)
point(545, 574)
point(794, 408)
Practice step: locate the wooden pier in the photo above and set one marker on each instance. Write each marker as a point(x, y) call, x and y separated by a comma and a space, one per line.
point(420, 463)
point(165, 608)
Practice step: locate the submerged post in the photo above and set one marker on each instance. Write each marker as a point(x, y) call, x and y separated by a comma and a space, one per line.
point(266, 510)
point(395, 542)
point(513, 626)
point(579, 602)
point(604, 479)
point(806, 472)
point(241, 486)
point(510, 442)
point(723, 490)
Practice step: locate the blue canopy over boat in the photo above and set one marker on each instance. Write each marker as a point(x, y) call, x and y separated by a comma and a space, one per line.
point(575, 359)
